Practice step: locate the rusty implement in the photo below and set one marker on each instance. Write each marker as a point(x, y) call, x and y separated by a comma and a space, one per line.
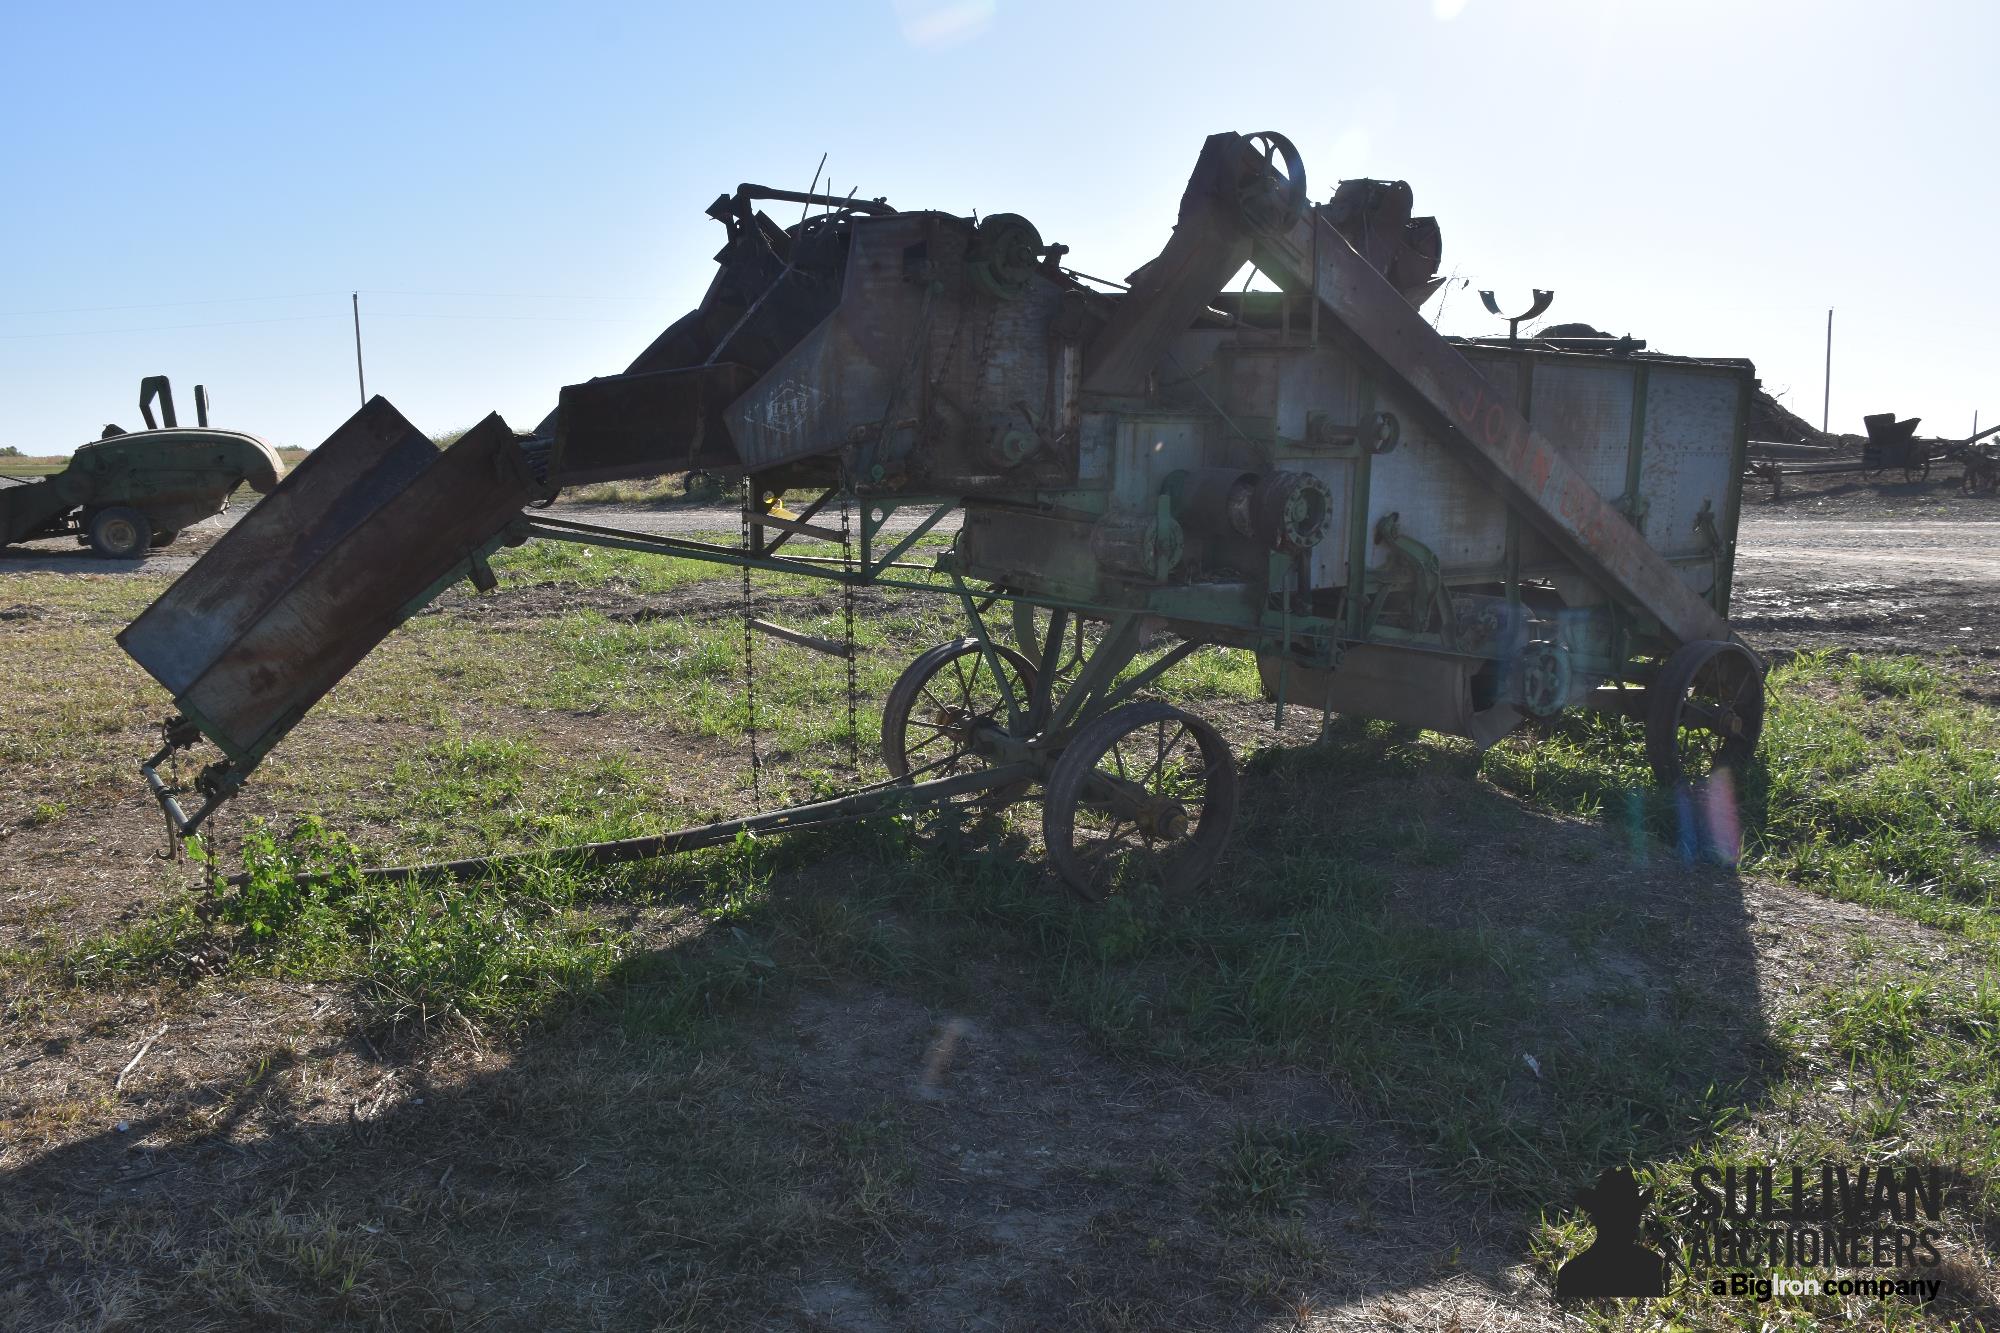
point(300, 590)
point(1455, 533)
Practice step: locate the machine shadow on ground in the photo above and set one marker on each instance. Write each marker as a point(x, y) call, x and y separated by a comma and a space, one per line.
point(904, 1083)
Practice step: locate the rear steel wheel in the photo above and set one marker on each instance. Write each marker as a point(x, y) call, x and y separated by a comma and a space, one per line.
point(1704, 712)
point(940, 703)
point(1145, 794)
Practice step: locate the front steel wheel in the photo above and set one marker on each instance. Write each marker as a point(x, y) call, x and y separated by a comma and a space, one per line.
point(1144, 795)
point(939, 704)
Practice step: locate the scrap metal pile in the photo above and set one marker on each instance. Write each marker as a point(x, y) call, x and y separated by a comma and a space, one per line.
point(1457, 534)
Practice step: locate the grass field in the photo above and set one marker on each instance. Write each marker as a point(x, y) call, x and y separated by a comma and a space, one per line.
point(893, 1076)
point(43, 465)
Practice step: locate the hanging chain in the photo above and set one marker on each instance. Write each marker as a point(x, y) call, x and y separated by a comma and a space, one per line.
point(749, 650)
point(847, 612)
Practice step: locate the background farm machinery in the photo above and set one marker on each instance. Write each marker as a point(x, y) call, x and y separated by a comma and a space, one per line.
point(1453, 534)
point(1892, 451)
point(134, 490)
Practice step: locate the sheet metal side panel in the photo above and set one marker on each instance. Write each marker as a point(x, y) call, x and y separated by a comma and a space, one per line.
point(840, 375)
point(1585, 408)
point(346, 602)
point(806, 404)
point(373, 455)
point(1438, 500)
point(1149, 448)
point(1302, 381)
point(1483, 425)
point(1688, 457)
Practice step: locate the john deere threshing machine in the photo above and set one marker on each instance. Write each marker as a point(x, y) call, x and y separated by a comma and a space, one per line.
point(1454, 533)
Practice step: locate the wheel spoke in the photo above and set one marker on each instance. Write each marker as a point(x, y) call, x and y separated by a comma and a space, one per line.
point(1708, 717)
point(1165, 748)
point(937, 734)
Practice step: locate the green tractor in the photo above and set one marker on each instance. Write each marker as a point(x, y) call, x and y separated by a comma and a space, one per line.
point(131, 491)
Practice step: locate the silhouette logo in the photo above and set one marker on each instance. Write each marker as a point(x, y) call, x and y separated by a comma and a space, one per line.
point(1616, 1264)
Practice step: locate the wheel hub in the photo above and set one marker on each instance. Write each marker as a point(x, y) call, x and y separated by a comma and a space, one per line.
point(1165, 819)
point(955, 723)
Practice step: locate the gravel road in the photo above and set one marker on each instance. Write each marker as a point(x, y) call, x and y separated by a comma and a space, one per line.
point(1883, 586)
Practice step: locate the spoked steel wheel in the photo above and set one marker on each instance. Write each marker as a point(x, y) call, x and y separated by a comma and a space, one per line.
point(940, 703)
point(1704, 712)
point(1144, 795)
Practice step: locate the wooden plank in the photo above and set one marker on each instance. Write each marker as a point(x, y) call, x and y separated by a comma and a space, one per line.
point(831, 647)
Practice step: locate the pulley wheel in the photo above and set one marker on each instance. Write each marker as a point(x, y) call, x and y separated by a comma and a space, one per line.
point(1273, 197)
point(1003, 256)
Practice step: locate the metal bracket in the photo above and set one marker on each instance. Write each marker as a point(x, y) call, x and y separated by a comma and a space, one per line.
point(1424, 575)
point(217, 783)
point(1377, 432)
point(1718, 550)
point(1541, 303)
point(872, 526)
point(1634, 507)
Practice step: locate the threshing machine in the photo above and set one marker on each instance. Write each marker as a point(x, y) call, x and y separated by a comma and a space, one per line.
point(1453, 533)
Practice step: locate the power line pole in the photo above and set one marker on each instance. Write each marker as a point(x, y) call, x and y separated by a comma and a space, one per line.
point(360, 378)
point(1826, 401)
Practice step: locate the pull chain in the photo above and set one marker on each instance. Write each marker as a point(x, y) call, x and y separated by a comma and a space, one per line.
point(847, 610)
point(749, 650)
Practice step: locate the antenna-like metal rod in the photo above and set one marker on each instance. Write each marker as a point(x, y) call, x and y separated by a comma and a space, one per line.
point(1826, 400)
point(359, 378)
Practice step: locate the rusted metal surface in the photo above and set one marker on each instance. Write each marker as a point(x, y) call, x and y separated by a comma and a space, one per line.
point(1548, 490)
point(1208, 246)
point(309, 582)
point(640, 425)
point(1447, 532)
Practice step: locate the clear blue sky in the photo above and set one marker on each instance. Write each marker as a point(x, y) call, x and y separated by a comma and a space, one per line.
point(517, 190)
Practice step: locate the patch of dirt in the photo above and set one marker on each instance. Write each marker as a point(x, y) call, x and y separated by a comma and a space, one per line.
point(93, 869)
point(1054, 1187)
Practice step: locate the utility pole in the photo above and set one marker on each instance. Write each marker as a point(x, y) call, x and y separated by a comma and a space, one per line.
point(363, 379)
point(1826, 401)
